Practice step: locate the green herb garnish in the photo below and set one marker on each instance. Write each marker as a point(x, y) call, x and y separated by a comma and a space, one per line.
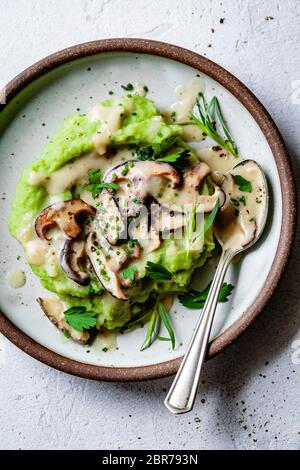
point(144, 153)
point(178, 159)
point(128, 87)
point(210, 219)
point(96, 185)
point(129, 273)
point(133, 242)
point(244, 185)
point(80, 318)
point(159, 316)
point(209, 115)
point(196, 299)
point(157, 272)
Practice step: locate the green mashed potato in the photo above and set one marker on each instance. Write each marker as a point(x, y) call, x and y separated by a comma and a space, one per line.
point(139, 124)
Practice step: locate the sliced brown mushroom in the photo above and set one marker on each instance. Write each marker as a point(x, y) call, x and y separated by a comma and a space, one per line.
point(105, 266)
point(71, 256)
point(54, 310)
point(109, 218)
point(139, 177)
point(65, 215)
point(194, 176)
point(167, 219)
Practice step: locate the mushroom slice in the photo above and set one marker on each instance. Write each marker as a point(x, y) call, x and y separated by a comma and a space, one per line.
point(141, 176)
point(147, 237)
point(207, 203)
point(105, 267)
point(141, 170)
point(194, 176)
point(71, 256)
point(167, 219)
point(109, 218)
point(54, 310)
point(65, 215)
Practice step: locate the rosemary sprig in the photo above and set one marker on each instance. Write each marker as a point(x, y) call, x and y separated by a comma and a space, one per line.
point(209, 115)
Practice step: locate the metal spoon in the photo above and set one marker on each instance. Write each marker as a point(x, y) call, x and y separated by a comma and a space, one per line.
point(182, 393)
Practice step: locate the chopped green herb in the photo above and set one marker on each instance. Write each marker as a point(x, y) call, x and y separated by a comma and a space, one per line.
point(128, 251)
point(94, 176)
point(128, 87)
point(242, 200)
point(144, 153)
point(244, 185)
point(196, 299)
point(105, 349)
point(136, 200)
point(80, 318)
point(157, 272)
point(66, 334)
point(129, 273)
point(97, 188)
point(133, 243)
point(258, 201)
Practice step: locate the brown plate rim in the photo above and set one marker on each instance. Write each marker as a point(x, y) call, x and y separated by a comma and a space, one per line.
point(282, 160)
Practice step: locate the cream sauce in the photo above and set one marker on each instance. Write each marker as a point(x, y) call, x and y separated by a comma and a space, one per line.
point(187, 98)
point(105, 340)
point(69, 174)
point(219, 160)
point(180, 111)
point(16, 278)
point(110, 120)
point(140, 89)
point(243, 215)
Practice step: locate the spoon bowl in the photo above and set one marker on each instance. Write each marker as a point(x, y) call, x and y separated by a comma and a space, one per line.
point(239, 225)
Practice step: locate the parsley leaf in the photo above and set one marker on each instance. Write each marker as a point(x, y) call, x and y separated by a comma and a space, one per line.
point(129, 273)
point(178, 159)
point(196, 299)
point(150, 152)
point(165, 145)
point(94, 176)
point(96, 184)
point(96, 188)
point(80, 318)
point(244, 185)
point(157, 272)
point(144, 153)
point(128, 87)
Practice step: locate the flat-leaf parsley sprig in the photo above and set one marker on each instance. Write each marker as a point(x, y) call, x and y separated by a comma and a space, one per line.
point(80, 318)
point(196, 299)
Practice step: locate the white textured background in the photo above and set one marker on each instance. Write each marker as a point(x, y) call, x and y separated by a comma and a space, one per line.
point(249, 397)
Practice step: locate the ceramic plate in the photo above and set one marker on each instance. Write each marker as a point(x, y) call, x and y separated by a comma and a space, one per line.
point(79, 77)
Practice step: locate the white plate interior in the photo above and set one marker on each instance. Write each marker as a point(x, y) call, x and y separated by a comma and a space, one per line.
point(32, 119)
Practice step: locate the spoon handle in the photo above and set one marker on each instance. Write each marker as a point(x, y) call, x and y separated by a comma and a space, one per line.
point(181, 396)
